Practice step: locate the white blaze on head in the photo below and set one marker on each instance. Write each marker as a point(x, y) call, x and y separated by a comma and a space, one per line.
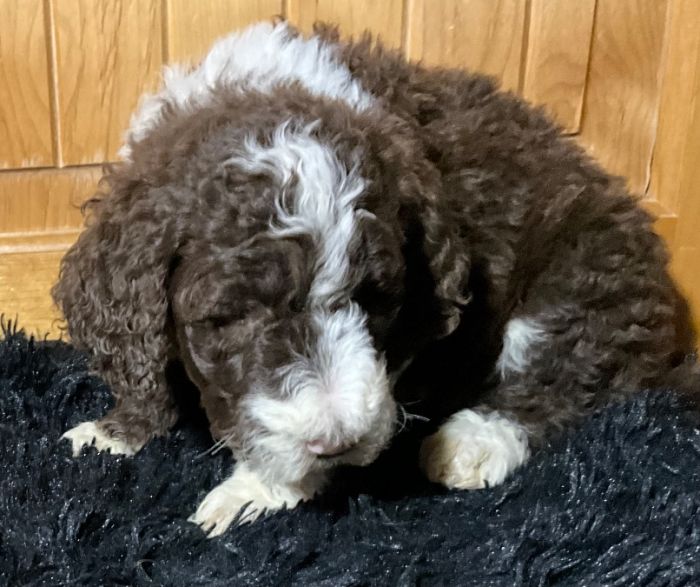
point(259, 58)
point(321, 205)
point(337, 393)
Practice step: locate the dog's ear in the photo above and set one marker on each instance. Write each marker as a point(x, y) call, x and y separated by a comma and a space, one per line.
point(112, 285)
point(437, 256)
point(445, 257)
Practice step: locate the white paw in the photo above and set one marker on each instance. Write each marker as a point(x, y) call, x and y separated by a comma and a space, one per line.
point(473, 450)
point(244, 491)
point(89, 434)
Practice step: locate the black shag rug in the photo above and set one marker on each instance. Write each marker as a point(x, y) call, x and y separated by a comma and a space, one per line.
point(615, 503)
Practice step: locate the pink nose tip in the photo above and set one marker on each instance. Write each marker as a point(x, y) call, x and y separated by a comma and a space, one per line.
point(324, 448)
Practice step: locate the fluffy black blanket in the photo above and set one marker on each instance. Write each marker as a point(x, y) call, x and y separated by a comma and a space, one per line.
point(615, 503)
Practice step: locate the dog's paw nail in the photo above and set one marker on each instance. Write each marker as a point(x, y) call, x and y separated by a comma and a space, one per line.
point(220, 508)
point(89, 434)
point(243, 497)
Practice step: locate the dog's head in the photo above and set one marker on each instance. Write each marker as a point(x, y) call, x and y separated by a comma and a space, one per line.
point(291, 326)
point(304, 271)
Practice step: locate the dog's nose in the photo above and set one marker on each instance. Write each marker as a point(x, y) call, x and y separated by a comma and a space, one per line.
point(323, 448)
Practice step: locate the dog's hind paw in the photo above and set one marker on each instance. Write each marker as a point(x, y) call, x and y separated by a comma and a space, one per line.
point(474, 450)
point(90, 434)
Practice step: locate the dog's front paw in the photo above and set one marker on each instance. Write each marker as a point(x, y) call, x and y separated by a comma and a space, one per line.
point(90, 434)
point(243, 493)
point(474, 450)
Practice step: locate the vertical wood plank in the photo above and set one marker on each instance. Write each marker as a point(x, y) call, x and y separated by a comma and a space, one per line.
point(383, 18)
point(559, 41)
point(45, 200)
point(108, 54)
point(25, 113)
point(483, 35)
point(674, 150)
point(193, 26)
point(622, 97)
point(678, 148)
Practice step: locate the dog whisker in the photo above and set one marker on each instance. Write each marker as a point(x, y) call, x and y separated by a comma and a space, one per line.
point(217, 446)
point(404, 416)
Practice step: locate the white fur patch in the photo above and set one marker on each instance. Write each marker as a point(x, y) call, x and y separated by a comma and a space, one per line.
point(473, 450)
point(322, 204)
point(247, 491)
point(337, 393)
point(519, 337)
point(89, 434)
point(260, 58)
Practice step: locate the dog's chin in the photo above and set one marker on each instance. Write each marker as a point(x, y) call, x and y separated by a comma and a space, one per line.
point(359, 456)
point(294, 462)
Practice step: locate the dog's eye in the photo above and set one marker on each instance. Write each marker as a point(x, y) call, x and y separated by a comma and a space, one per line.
point(375, 300)
point(297, 304)
point(232, 314)
point(221, 321)
point(214, 322)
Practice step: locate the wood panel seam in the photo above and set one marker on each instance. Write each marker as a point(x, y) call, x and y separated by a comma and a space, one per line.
point(591, 45)
point(50, 29)
point(525, 46)
point(660, 74)
point(31, 170)
point(660, 77)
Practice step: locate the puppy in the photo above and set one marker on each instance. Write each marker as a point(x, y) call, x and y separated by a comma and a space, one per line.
point(299, 221)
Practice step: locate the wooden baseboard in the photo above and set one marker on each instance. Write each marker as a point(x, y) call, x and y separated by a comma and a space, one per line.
point(29, 265)
point(37, 242)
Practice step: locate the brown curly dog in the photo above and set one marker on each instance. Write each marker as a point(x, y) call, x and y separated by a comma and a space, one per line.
point(322, 232)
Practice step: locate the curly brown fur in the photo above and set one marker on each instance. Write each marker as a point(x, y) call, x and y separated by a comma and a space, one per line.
point(549, 233)
point(480, 229)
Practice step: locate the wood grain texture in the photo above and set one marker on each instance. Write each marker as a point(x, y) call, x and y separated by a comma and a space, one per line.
point(46, 200)
point(665, 223)
point(674, 149)
point(108, 53)
point(25, 113)
point(683, 48)
point(25, 282)
point(36, 242)
point(559, 41)
point(683, 268)
point(622, 96)
point(193, 26)
point(483, 35)
point(383, 18)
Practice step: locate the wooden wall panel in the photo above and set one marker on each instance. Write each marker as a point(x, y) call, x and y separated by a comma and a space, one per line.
point(622, 96)
point(46, 200)
point(192, 26)
point(559, 40)
point(384, 18)
point(25, 114)
point(484, 35)
point(109, 53)
point(674, 149)
point(25, 281)
point(675, 170)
